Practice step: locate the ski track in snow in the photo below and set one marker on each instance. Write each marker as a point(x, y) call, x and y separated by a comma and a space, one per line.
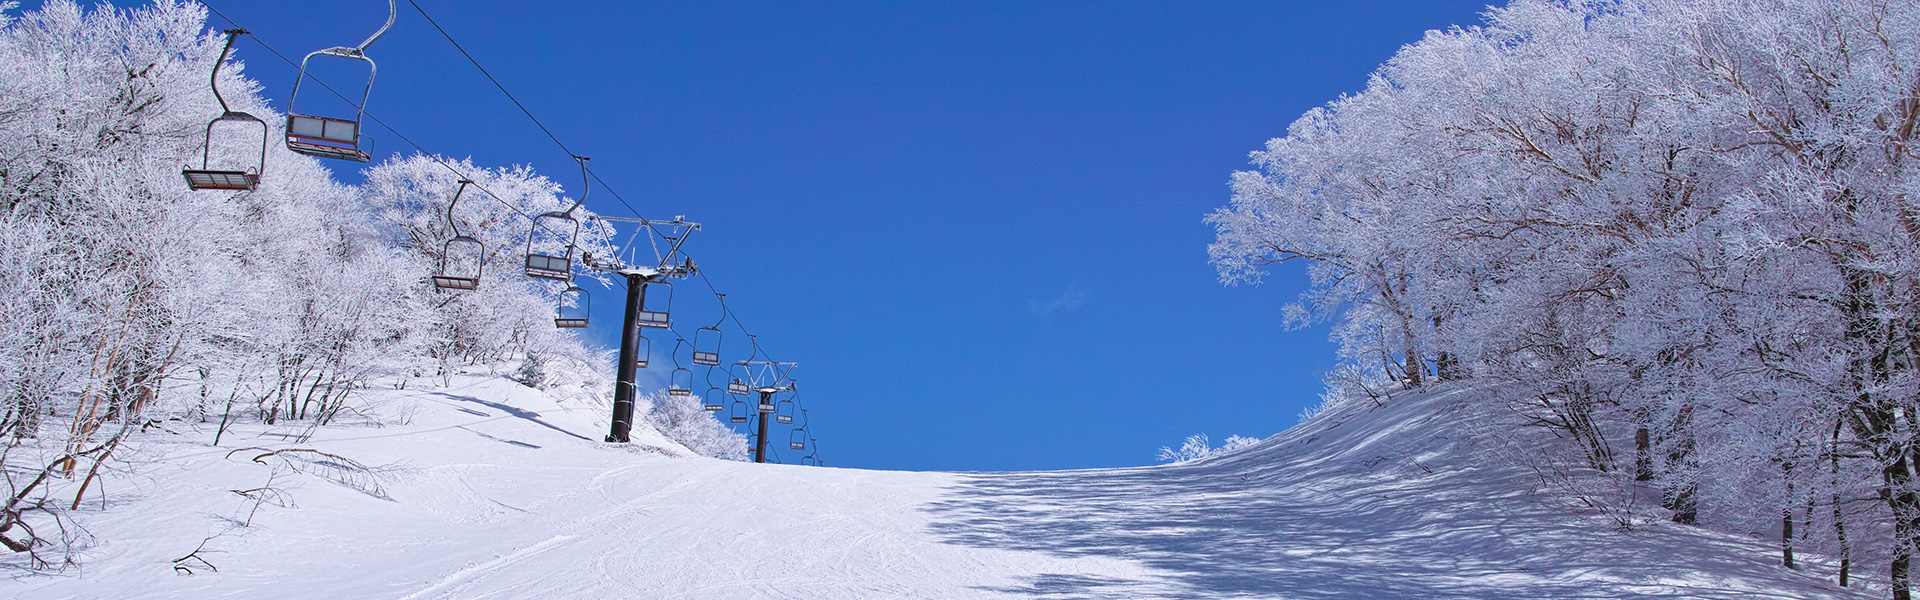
point(514, 504)
point(454, 581)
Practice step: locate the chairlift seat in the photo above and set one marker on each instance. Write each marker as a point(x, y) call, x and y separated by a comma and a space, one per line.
point(706, 358)
point(658, 320)
point(766, 408)
point(784, 419)
point(449, 275)
point(736, 387)
point(325, 137)
point(451, 282)
point(203, 179)
point(674, 391)
point(737, 419)
point(714, 407)
point(569, 323)
point(324, 151)
point(797, 445)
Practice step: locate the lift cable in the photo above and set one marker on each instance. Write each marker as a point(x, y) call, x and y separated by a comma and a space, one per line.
point(516, 102)
point(727, 311)
point(383, 124)
point(604, 185)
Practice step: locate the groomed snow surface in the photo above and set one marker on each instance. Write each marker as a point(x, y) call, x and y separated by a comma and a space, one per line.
point(491, 490)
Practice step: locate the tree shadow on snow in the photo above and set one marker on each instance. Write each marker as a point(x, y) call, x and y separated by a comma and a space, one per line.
point(1257, 525)
point(510, 410)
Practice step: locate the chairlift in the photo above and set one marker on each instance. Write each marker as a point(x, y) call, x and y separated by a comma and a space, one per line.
point(713, 400)
point(784, 412)
point(797, 440)
point(550, 266)
point(208, 178)
point(463, 256)
point(680, 383)
point(739, 412)
point(710, 341)
point(766, 406)
point(642, 352)
point(574, 316)
point(329, 137)
point(647, 316)
point(814, 454)
point(738, 375)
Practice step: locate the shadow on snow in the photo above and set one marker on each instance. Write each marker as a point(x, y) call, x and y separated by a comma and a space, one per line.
point(1288, 520)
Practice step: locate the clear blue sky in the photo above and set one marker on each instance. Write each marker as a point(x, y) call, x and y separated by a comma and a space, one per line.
point(977, 225)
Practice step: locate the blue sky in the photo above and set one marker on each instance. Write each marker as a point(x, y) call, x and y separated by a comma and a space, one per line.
point(976, 226)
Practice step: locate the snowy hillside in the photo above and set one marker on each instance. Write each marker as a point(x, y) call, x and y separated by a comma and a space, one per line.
point(494, 491)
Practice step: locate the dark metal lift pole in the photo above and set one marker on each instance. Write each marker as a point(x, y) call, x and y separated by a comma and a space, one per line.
point(760, 443)
point(623, 391)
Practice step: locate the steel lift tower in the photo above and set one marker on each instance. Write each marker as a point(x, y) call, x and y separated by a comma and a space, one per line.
point(637, 317)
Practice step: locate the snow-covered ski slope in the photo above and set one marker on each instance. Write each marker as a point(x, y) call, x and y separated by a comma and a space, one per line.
point(493, 491)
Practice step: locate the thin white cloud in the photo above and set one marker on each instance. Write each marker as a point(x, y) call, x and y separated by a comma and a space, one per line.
point(1069, 300)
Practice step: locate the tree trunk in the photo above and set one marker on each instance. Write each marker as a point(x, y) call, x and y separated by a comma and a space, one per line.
point(1642, 454)
point(1906, 523)
point(1786, 519)
point(1680, 497)
point(1840, 533)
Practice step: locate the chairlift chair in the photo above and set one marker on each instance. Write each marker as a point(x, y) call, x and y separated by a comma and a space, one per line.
point(647, 316)
point(738, 387)
point(548, 266)
point(330, 137)
point(642, 352)
point(680, 383)
point(463, 256)
point(460, 262)
point(711, 342)
point(783, 413)
point(713, 400)
point(813, 454)
point(208, 178)
point(766, 407)
point(797, 440)
point(739, 412)
point(575, 316)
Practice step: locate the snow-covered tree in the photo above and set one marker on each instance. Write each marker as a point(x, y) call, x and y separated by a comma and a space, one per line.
point(1678, 236)
point(683, 420)
point(1197, 446)
point(125, 297)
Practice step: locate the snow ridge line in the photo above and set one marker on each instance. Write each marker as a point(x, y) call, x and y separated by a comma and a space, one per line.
point(518, 555)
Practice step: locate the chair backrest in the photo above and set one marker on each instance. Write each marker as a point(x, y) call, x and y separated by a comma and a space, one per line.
point(324, 129)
